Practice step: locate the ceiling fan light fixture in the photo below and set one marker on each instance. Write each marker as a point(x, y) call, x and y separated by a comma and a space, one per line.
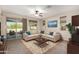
point(36, 12)
point(36, 15)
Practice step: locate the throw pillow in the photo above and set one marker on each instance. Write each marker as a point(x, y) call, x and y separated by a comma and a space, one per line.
point(42, 32)
point(29, 33)
point(51, 33)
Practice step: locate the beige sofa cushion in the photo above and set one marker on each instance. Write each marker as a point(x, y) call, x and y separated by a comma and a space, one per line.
point(48, 36)
point(55, 37)
point(30, 37)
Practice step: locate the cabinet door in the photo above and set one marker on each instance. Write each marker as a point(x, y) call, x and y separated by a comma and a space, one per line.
point(0, 28)
point(75, 20)
point(72, 48)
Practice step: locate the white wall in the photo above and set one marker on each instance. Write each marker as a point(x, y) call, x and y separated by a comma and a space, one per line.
point(3, 23)
point(65, 34)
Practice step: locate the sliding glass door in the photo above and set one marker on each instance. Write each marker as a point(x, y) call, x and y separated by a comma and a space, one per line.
point(19, 29)
point(14, 29)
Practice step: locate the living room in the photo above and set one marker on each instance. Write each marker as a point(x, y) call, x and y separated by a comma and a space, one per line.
point(29, 25)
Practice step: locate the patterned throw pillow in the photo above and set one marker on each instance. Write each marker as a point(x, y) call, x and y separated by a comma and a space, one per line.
point(29, 33)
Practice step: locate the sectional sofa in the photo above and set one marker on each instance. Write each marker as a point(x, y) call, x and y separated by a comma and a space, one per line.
point(54, 38)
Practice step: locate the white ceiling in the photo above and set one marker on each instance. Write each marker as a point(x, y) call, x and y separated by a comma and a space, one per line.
point(47, 10)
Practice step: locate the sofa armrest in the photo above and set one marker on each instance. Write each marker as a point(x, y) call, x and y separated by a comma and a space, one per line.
point(57, 37)
point(30, 37)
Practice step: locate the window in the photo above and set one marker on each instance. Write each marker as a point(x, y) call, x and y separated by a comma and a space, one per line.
point(33, 26)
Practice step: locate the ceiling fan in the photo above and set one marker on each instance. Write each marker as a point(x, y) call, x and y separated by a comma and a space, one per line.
point(38, 13)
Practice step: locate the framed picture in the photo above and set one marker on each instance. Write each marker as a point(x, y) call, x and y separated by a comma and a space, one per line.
point(43, 22)
point(52, 23)
point(63, 22)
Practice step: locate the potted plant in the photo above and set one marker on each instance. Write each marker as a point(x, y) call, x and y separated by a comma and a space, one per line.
point(70, 29)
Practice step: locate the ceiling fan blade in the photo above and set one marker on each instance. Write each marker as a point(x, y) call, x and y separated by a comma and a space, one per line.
point(48, 7)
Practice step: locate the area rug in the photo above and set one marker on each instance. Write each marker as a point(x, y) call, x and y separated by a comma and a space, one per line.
point(36, 49)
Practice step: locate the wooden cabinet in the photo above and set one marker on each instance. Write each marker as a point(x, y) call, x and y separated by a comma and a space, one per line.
point(75, 20)
point(73, 48)
point(3, 48)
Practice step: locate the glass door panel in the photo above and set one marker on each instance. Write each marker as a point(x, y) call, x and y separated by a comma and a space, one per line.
point(19, 29)
point(14, 29)
point(11, 29)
